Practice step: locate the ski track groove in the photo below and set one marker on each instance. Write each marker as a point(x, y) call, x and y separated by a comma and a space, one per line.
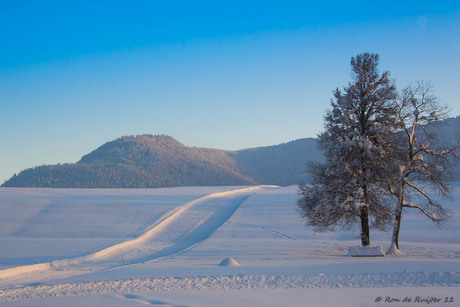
point(175, 232)
point(273, 230)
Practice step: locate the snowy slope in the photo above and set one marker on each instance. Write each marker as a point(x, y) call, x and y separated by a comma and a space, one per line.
point(128, 247)
point(176, 231)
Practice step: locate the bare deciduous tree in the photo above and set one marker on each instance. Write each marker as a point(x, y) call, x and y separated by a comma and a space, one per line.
point(419, 160)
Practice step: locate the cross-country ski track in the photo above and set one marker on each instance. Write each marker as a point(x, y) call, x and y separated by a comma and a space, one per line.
point(177, 231)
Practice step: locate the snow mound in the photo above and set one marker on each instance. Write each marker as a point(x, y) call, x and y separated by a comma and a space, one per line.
point(229, 262)
point(366, 251)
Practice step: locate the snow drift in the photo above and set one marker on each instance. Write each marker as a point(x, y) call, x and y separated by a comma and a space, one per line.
point(175, 232)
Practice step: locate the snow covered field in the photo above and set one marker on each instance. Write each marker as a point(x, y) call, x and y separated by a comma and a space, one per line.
point(70, 247)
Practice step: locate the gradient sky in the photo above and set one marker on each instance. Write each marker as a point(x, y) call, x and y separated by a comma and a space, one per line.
point(219, 74)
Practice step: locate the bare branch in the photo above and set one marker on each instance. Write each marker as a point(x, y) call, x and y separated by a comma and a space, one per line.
point(412, 185)
point(392, 191)
point(432, 216)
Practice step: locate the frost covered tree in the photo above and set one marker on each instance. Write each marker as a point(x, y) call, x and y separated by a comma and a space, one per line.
point(350, 187)
point(419, 161)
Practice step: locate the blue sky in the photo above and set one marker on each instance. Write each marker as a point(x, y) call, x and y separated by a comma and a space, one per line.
point(219, 74)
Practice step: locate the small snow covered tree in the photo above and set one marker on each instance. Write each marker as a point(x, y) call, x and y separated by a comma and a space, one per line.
point(419, 160)
point(351, 186)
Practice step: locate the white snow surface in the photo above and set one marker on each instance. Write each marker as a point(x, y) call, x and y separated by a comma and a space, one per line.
point(103, 247)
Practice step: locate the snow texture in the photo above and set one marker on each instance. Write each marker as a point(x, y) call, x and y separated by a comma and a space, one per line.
point(123, 247)
point(419, 279)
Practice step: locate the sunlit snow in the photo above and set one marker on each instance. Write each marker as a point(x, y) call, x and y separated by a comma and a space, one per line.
point(122, 247)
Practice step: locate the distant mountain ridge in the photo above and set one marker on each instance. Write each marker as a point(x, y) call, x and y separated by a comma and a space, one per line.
point(283, 164)
point(151, 161)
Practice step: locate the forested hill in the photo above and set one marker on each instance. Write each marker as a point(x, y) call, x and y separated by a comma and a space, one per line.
point(148, 161)
point(283, 164)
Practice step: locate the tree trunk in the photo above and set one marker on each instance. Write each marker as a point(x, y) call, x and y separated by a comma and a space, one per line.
point(397, 226)
point(364, 215)
point(394, 247)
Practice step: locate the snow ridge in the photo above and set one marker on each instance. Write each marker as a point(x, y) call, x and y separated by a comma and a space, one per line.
point(178, 230)
point(377, 280)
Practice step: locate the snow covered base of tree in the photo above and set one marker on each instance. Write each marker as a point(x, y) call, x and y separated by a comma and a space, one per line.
point(366, 251)
point(394, 251)
point(71, 247)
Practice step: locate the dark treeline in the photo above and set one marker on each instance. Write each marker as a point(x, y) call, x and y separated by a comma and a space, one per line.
point(148, 161)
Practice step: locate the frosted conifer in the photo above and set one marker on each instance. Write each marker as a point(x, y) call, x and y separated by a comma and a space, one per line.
point(350, 187)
